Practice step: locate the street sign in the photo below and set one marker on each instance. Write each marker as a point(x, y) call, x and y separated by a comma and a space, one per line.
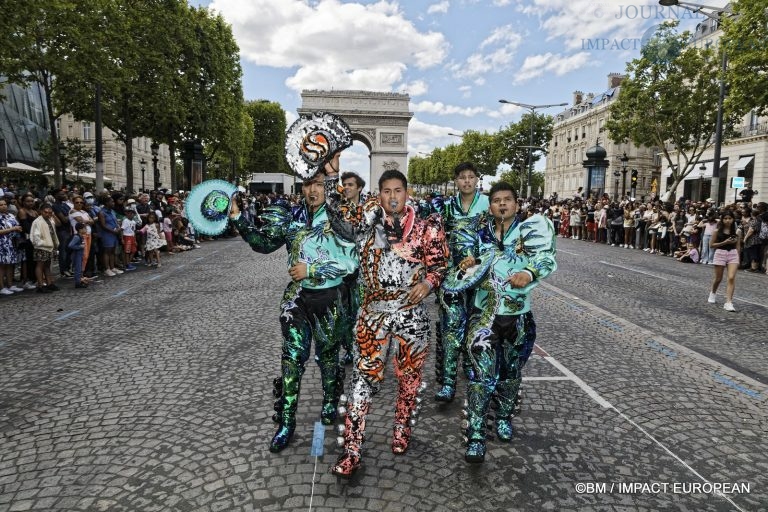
point(738, 182)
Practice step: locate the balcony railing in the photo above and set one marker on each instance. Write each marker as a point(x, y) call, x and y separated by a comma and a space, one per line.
point(750, 130)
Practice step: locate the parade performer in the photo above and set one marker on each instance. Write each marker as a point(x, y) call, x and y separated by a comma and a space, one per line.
point(353, 188)
point(455, 308)
point(402, 260)
point(318, 261)
point(504, 258)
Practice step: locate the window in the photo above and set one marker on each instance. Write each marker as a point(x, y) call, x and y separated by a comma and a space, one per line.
point(86, 130)
point(753, 120)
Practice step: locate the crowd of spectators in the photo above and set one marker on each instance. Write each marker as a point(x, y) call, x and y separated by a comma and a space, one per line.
point(85, 235)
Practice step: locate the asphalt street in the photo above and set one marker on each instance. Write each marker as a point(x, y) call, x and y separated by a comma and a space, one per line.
point(153, 391)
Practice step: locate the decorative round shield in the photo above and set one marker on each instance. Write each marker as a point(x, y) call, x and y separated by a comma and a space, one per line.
point(313, 139)
point(207, 206)
point(458, 280)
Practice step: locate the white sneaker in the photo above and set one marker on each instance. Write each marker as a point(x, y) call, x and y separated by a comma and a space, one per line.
point(29, 285)
point(109, 273)
point(647, 249)
point(713, 298)
point(728, 306)
point(16, 289)
point(117, 271)
point(631, 246)
point(6, 291)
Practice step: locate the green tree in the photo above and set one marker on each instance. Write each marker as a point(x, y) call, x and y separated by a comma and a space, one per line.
point(483, 150)
point(268, 148)
point(746, 38)
point(79, 158)
point(669, 100)
point(514, 141)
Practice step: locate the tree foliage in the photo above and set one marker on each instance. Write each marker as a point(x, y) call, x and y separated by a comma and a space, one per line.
point(669, 100)
point(746, 39)
point(267, 152)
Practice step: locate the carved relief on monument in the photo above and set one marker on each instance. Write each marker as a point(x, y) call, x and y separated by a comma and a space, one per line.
point(392, 139)
point(377, 121)
point(390, 165)
point(370, 133)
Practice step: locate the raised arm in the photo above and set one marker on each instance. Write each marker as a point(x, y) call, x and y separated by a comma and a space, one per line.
point(347, 220)
point(268, 237)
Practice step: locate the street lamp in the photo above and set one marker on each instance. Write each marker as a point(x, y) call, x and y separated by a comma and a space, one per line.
point(62, 162)
point(624, 159)
point(155, 148)
point(702, 170)
point(143, 170)
point(533, 109)
point(697, 8)
point(459, 135)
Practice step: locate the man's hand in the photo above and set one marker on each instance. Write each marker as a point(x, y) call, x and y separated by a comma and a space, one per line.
point(418, 293)
point(331, 167)
point(467, 262)
point(298, 271)
point(520, 280)
point(234, 209)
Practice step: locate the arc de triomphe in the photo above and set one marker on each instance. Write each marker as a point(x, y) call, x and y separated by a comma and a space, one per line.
point(377, 119)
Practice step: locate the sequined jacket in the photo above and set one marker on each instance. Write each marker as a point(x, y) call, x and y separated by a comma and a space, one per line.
point(527, 245)
point(455, 218)
point(392, 258)
point(308, 238)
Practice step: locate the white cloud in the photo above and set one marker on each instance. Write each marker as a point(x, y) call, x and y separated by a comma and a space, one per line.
point(442, 109)
point(506, 42)
point(415, 88)
point(505, 111)
point(425, 137)
point(466, 91)
point(501, 3)
point(440, 7)
point(537, 65)
point(332, 44)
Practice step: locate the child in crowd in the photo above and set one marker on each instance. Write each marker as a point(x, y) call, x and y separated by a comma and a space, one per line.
point(76, 247)
point(689, 253)
point(129, 237)
point(155, 239)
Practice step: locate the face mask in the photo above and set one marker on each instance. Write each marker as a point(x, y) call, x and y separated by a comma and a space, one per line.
point(89, 200)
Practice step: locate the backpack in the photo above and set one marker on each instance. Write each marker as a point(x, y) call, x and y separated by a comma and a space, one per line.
point(763, 236)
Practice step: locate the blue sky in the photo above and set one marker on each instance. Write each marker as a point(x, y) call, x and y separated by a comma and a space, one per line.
point(456, 58)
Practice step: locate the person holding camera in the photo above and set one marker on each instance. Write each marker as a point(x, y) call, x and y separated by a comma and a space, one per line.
point(727, 245)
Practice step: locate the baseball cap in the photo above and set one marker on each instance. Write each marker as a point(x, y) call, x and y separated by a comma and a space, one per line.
point(131, 201)
point(88, 194)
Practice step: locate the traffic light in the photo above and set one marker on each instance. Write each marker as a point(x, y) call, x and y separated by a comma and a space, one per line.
point(634, 177)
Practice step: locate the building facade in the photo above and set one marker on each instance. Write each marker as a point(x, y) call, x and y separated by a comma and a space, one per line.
point(581, 126)
point(23, 123)
point(744, 155)
point(115, 167)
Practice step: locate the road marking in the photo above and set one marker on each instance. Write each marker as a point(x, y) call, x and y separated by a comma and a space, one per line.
point(67, 315)
point(678, 349)
point(120, 293)
point(180, 267)
point(668, 278)
point(607, 405)
point(738, 387)
point(154, 278)
point(568, 252)
point(658, 347)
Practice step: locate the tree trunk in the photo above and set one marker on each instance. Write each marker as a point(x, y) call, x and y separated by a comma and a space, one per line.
point(58, 172)
point(172, 155)
point(128, 147)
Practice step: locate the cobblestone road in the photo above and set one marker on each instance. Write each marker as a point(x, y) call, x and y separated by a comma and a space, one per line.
point(152, 391)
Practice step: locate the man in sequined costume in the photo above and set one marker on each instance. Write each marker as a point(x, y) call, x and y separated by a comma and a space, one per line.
point(501, 331)
point(402, 260)
point(312, 305)
point(455, 308)
point(353, 188)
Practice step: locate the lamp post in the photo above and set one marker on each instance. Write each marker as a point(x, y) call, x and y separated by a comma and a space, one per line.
point(459, 135)
point(624, 159)
point(143, 164)
point(63, 161)
point(702, 170)
point(696, 8)
point(155, 148)
point(616, 185)
point(532, 109)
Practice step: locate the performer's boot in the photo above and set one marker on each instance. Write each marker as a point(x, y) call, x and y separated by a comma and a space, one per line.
point(405, 410)
point(439, 354)
point(332, 377)
point(289, 400)
point(450, 363)
point(353, 436)
point(507, 393)
point(478, 396)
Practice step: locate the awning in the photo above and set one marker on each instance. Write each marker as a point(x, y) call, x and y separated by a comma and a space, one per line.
point(696, 172)
point(22, 167)
point(744, 162)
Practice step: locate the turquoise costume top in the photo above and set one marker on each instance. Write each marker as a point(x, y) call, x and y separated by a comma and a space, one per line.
point(455, 218)
point(307, 237)
point(527, 246)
